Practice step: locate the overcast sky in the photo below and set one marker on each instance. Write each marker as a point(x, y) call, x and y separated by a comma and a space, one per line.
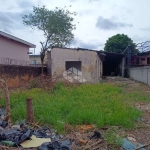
point(98, 20)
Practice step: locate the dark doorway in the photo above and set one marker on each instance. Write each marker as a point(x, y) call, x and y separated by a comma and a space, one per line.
point(148, 60)
point(112, 64)
point(137, 61)
point(74, 64)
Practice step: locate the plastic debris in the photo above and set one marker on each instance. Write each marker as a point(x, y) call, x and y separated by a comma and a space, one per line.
point(16, 127)
point(42, 133)
point(2, 112)
point(3, 123)
point(8, 143)
point(131, 139)
point(127, 145)
point(63, 145)
point(16, 136)
point(96, 135)
point(34, 142)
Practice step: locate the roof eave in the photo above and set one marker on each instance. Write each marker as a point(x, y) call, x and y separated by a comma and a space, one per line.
point(17, 39)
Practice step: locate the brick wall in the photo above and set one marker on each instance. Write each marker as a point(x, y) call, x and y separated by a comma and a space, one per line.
point(17, 76)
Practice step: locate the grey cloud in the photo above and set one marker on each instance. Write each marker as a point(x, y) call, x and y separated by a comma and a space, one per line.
point(89, 45)
point(108, 24)
point(145, 29)
point(5, 22)
point(11, 21)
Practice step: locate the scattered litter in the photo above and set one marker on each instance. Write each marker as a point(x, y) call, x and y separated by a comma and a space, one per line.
point(16, 127)
point(3, 123)
point(131, 139)
point(34, 142)
point(63, 145)
point(1, 129)
point(16, 136)
point(2, 112)
point(127, 145)
point(96, 135)
point(9, 143)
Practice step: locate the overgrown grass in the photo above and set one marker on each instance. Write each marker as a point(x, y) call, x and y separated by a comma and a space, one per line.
point(137, 94)
point(100, 104)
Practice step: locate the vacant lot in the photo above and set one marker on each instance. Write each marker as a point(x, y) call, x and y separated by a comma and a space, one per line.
point(103, 104)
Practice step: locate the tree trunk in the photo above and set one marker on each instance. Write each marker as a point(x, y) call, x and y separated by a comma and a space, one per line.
point(42, 67)
point(6, 92)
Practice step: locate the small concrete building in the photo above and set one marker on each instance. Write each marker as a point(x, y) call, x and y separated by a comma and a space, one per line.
point(141, 59)
point(36, 59)
point(75, 65)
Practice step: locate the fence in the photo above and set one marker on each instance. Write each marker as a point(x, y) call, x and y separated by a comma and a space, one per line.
point(9, 61)
point(141, 74)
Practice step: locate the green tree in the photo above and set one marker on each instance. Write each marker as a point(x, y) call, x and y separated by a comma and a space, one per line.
point(118, 44)
point(56, 25)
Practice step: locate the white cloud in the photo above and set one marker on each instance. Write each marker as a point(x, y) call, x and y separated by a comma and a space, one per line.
point(110, 14)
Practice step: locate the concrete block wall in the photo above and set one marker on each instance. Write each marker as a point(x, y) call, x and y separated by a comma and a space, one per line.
point(141, 74)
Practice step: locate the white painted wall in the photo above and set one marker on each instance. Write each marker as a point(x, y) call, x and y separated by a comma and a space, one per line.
point(141, 74)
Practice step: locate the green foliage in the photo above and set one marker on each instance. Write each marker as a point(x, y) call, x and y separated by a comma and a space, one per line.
point(100, 104)
point(112, 138)
point(118, 44)
point(56, 24)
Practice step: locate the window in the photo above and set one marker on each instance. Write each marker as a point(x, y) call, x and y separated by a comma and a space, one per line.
point(35, 62)
point(73, 64)
point(142, 59)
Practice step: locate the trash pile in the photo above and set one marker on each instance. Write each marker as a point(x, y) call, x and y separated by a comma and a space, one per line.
point(24, 137)
point(27, 136)
point(31, 136)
